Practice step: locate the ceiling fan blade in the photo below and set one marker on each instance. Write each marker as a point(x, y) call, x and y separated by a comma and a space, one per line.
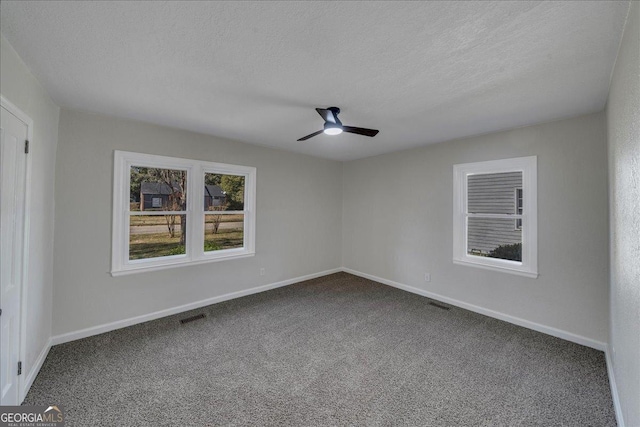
point(311, 135)
point(327, 115)
point(360, 131)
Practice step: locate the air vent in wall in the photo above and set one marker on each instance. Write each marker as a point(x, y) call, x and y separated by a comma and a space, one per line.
point(192, 318)
point(435, 304)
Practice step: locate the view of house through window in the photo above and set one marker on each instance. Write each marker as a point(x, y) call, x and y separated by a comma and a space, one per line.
point(170, 211)
point(157, 212)
point(495, 223)
point(158, 218)
point(489, 196)
point(223, 211)
point(519, 208)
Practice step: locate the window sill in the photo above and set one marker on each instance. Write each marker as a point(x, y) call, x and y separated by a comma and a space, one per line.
point(505, 269)
point(141, 268)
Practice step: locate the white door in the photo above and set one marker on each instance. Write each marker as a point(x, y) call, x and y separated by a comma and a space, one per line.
point(13, 134)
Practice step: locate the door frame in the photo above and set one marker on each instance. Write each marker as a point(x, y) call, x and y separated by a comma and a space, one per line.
point(22, 350)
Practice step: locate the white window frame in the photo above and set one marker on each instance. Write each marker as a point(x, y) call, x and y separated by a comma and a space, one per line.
point(195, 254)
point(528, 166)
point(518, 208)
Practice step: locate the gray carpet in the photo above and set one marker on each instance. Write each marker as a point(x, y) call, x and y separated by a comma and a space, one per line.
point(338, 350)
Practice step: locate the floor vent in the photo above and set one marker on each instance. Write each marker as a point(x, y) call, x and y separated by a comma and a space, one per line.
point(435, 304)
point(192, 318)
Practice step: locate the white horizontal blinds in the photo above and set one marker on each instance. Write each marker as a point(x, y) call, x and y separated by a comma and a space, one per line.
point(224, 209)
point(491, 210)
point(157, 212)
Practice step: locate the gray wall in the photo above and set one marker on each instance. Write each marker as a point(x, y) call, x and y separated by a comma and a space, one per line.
point(623, 118)
point(397, 223)
point(298, 221)
point(18, 85)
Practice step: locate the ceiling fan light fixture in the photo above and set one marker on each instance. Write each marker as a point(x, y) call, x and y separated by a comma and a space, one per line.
point(337, 130)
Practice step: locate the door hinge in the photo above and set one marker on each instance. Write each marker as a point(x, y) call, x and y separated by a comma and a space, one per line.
point(26, 147)
point(19, 368)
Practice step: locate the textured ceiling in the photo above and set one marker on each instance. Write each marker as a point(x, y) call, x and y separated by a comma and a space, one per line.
point(421, 72)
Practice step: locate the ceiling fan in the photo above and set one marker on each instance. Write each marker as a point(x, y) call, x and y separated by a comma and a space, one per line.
point(333, 125)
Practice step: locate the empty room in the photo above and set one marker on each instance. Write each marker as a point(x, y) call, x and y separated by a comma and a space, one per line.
point(315, 213)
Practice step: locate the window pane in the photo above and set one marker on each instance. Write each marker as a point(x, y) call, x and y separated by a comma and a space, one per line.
point(494, 238)
point(519, 206)
point(154, 189)
point(493, 192)
point(152, 236)
point(223, 192)
point(223, 232)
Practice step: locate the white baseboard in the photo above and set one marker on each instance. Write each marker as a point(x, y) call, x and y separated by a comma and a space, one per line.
point(33, 373)
point(95, 330)
point(487, 312)
point(614, 388)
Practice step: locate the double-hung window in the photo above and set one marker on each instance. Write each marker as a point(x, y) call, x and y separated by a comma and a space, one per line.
point(170, 211)
point(489, 198)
